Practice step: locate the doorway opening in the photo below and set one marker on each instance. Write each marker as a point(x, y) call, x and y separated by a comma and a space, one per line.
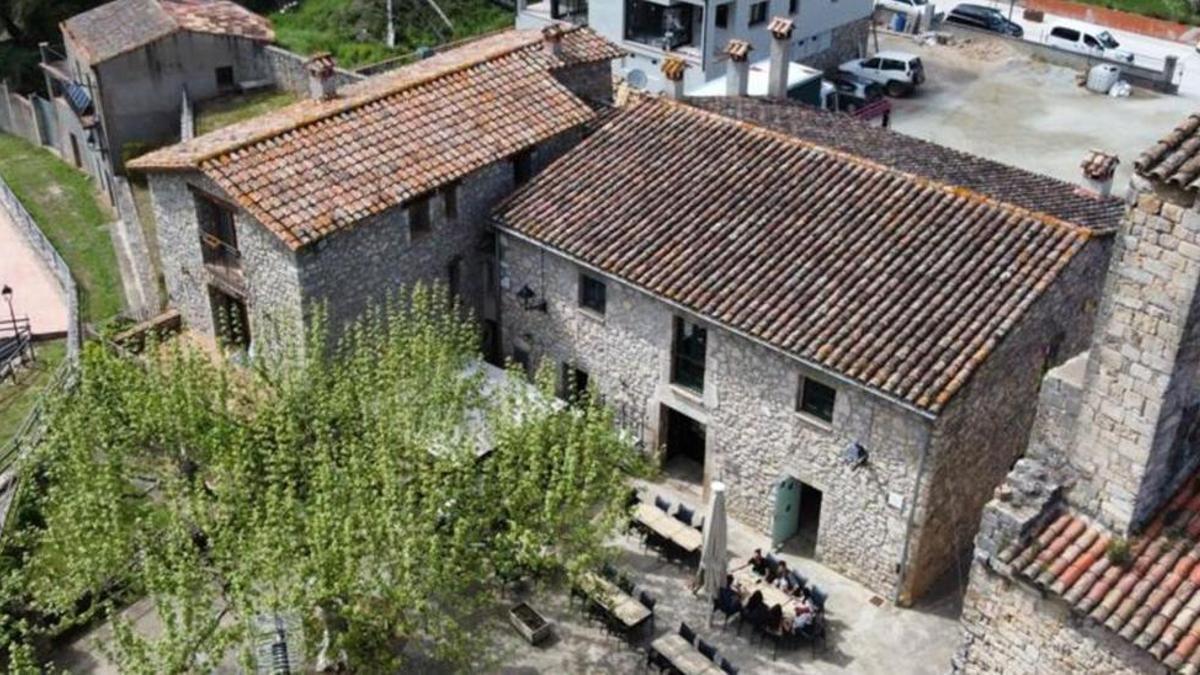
point(685, 447)
point(797, 516)
point(230, 319)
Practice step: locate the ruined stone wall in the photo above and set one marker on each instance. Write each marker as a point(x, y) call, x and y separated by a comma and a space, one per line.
point(1141, 379)
point(986, 426)
point(1010, 628)
point(754, 434)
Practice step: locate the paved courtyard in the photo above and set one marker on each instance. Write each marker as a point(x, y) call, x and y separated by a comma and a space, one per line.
point(988, 99)
point(36, 293)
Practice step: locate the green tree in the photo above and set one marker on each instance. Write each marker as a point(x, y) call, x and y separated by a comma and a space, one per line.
point(343, 489)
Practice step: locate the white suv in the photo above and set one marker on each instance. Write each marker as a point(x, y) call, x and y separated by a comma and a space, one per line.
point(898, 72)
point(911, 7)
point(1083, 41)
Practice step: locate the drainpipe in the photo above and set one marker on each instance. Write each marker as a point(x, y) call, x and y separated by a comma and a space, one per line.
point(898, 596)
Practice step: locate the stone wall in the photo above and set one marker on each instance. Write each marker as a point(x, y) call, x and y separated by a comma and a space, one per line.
point(17, 116)
point(985, 428)
point(1010, 628)
point(849, 41)
point(1141, 389)
point(754, 435)
point(287, 70)
point(591, 81)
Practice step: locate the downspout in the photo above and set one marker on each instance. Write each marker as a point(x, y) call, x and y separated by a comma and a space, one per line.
point(897, 596)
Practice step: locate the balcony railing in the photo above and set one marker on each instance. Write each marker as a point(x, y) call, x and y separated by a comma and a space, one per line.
point(222, 258)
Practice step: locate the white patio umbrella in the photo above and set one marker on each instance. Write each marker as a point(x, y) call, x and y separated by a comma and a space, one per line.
point(713, 557)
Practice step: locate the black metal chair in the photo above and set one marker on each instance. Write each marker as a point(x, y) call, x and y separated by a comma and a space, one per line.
point(684, 515)
point(727, 604)
point(686, 632)
point(706, 650)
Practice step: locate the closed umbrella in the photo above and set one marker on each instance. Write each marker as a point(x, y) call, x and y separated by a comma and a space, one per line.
point(713, 560)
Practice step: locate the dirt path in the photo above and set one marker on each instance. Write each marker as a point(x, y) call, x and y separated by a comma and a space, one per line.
point(36, 292)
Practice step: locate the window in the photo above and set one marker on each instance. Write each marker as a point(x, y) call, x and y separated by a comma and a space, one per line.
point(1065, 33)
point(450, 200)
point(574, 382)
point(793, 6)
point(1091, 42)
point(218, 236)
point(521, 357)
point(871, 63)
point(418, 218)
point(454, 277)
point(225, 78)
point(722, 16)
point(593, 294)
point(522, 167)
point(816, 399)
point(687, 355)
point(662, 27)
point(758, 13)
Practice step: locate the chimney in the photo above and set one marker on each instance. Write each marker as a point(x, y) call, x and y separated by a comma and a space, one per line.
point(781, 35)
point(552, 35)
point(672, 69)
point(322, 79)
point(1098, 169)
point(738, 76)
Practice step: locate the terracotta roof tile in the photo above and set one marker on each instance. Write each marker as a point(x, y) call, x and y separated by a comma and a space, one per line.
point(315, 167)
point(1176, 158)
point(901, 283)
point(1152, 601)
point(122, 26)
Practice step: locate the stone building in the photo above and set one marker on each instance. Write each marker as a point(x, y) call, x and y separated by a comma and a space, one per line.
point(342, 198)
point(826, 33)
point(845, 325)
point(1087, 558)
point(127, 64)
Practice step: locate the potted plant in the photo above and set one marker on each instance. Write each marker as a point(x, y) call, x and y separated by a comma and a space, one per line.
point(529, 623)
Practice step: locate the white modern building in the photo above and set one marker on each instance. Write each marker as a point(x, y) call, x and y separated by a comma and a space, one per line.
point(827, 32)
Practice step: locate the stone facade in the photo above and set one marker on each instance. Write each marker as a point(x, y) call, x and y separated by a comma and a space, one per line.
point(1013, 629)
point(1140, 392)
point(894, 523)
point(849, 41)
point(343, 273)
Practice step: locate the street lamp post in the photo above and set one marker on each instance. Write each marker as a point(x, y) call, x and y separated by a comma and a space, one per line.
point(7, 293)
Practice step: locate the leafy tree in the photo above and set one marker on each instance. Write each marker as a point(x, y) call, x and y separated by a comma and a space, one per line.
point(342, 489)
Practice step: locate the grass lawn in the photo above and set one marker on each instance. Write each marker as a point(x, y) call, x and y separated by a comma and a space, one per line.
point(61, 200)
point(17, 399)
point(1171, 10)
point(334, 25)
point(221, 112)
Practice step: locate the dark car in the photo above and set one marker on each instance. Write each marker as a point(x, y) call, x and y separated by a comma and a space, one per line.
point(854, 92)
point(984, 18)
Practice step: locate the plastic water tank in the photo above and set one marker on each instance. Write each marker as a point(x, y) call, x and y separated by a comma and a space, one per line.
point(898, 22)
point(1102, 77)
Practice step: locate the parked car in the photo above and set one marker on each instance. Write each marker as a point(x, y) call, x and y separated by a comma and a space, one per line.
point(849, 93)
point(898, 73)
point(984, 18)
point(1090, 42)
point(912, 7)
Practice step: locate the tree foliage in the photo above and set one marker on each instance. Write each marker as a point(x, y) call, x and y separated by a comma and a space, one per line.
point(342, 489)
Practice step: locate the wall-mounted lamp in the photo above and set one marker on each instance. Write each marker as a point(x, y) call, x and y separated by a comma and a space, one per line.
point(855, 455)
point(527, 297)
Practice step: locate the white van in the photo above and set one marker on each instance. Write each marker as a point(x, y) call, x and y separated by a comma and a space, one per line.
point(803, 83)
point(1088, 41)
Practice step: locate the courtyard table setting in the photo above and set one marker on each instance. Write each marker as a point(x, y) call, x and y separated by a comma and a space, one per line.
point(689, 654)
point(663, 526)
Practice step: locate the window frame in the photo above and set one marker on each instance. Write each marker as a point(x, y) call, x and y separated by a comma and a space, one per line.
point(420, 225)
point(450, 200)
point(793, 6)
point(687, 376)
point(809, 410)
point(722, 14)
point(759, 12)
point(585, 299)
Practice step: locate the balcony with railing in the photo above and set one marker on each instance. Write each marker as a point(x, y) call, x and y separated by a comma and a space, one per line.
point(223, 260)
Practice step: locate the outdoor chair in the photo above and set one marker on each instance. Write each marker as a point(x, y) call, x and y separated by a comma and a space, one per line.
point(756, 617)
point(658, 661)
point(700, 525)
point(662, 503)
point(705, 649)
point(684, 515)
point(726, 666)
point(625, 584)
point(775, 634)
point(686, 632)
point(772, 561)
point(796, 580)
point(818, 597)
point(726, 603)
point(608, 572)
point(647, 600)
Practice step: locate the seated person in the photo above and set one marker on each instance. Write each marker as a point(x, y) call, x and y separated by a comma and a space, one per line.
point(757, 563)
point(775, 618)
point(727, 597)
point(803, 618)
point(802, 593)
point(780, 577)
point(755, 602)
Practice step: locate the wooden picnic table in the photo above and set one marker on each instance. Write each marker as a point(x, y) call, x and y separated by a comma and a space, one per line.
point(684, 536)
point(629, 611)
point(684, 656)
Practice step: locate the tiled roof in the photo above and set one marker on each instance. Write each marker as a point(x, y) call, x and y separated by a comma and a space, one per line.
point(122, 26)
point(314, 167)
point(1176, 158)
point(1152, 600)
point(904, 284)
point(937, 162)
